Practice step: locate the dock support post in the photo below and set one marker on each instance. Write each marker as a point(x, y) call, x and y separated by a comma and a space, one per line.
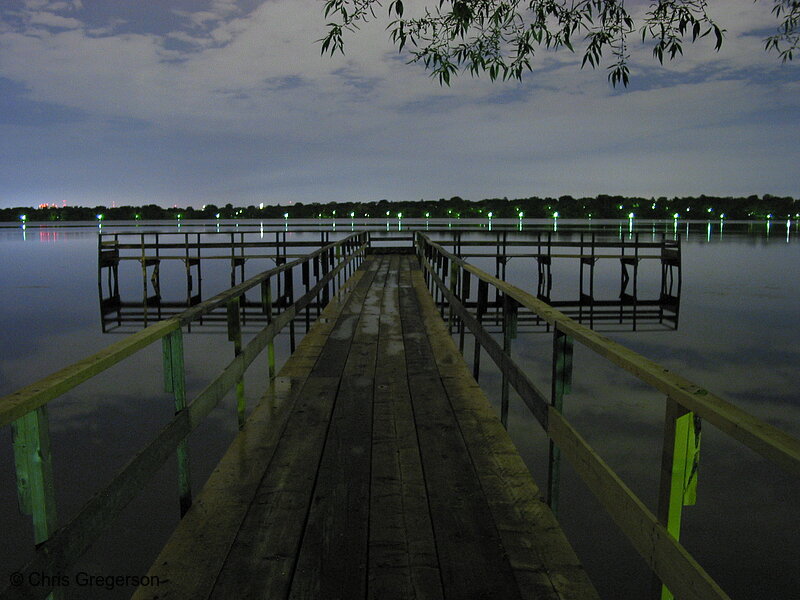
point(306, 280)
point(560, 386)
point(33, 462)
point(453, 290)
point(175, 382)
point(266, 306)
point(678, 486)
point(509, 333)
point(289, 290)
point(235, 336)
point(483, 298)
point(465, 281)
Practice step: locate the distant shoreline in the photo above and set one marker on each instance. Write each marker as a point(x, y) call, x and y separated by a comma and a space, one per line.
point(566, 207)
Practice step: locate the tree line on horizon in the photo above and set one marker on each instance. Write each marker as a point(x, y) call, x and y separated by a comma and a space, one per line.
point(568, 207)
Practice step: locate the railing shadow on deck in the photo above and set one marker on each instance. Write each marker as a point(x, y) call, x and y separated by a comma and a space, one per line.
point(655, 537)
point(26, 410)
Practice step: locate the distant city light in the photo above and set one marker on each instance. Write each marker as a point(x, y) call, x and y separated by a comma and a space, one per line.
point(217, 215)
point(521, 214)
point(427, 215)
point(23, 218)
point(260, 206)
point(490, 214)
point(100, 217)
point(676, 216)
point(285, 215)
point(630, 215)
point(555, 214)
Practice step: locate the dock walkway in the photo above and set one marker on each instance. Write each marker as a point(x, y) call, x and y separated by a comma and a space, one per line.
point(374, 467)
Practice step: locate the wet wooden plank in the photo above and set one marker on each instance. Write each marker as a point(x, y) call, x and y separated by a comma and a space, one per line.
point(189, 563)
point(392, 478)
point(402, 549)
point(262, 560)
point(544, 563)
point(332, 560)
point(471, 555)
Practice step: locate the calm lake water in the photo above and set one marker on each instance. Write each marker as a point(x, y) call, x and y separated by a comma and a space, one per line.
point(737, 335)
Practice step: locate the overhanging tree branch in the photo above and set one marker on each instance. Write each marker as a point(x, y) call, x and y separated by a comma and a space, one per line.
point(501, 37)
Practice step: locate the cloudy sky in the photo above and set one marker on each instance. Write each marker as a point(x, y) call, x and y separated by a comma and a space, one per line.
point(215, 101)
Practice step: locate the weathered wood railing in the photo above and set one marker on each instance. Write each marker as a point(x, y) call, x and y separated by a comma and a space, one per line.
point(26, 410)
point(654, 537)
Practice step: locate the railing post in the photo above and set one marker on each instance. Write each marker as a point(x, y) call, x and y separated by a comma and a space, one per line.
point(266, 306)
point(465, 281)
point(480, 309)
point(678, 485)
point(33, 462)
point(175, 382)
point(307, 284)
point(453, 286)
point(235, 336)
point(560, 386)
point(288, 287)
point(338, 256)
point(509, 333)
point(326, 287)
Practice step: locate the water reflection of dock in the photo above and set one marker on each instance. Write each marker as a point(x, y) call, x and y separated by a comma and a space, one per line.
point(374, 466)
point(628, 309)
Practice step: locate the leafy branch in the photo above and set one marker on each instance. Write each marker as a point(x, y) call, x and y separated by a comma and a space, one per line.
point(501, 37)
point(787, 39)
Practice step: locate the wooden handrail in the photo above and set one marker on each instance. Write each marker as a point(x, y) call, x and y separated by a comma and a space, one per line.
point(769, 441)
point(15, 405)
point(653, 537)
point(58, 548)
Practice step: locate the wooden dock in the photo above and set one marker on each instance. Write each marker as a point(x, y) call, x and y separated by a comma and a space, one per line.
point(374, 467)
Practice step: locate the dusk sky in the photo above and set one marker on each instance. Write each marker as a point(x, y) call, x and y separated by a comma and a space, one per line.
point(191, 102)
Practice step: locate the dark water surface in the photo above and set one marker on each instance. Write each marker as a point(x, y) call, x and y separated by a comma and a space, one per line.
point(738, 336)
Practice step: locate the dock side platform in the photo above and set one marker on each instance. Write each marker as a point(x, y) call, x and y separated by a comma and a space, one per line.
point(374, 467)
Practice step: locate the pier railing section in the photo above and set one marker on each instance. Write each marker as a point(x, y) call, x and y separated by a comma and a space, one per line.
point(629, 307)
point(26, 410)
point(152, 250)
point(544, 254)
point(458, 286)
